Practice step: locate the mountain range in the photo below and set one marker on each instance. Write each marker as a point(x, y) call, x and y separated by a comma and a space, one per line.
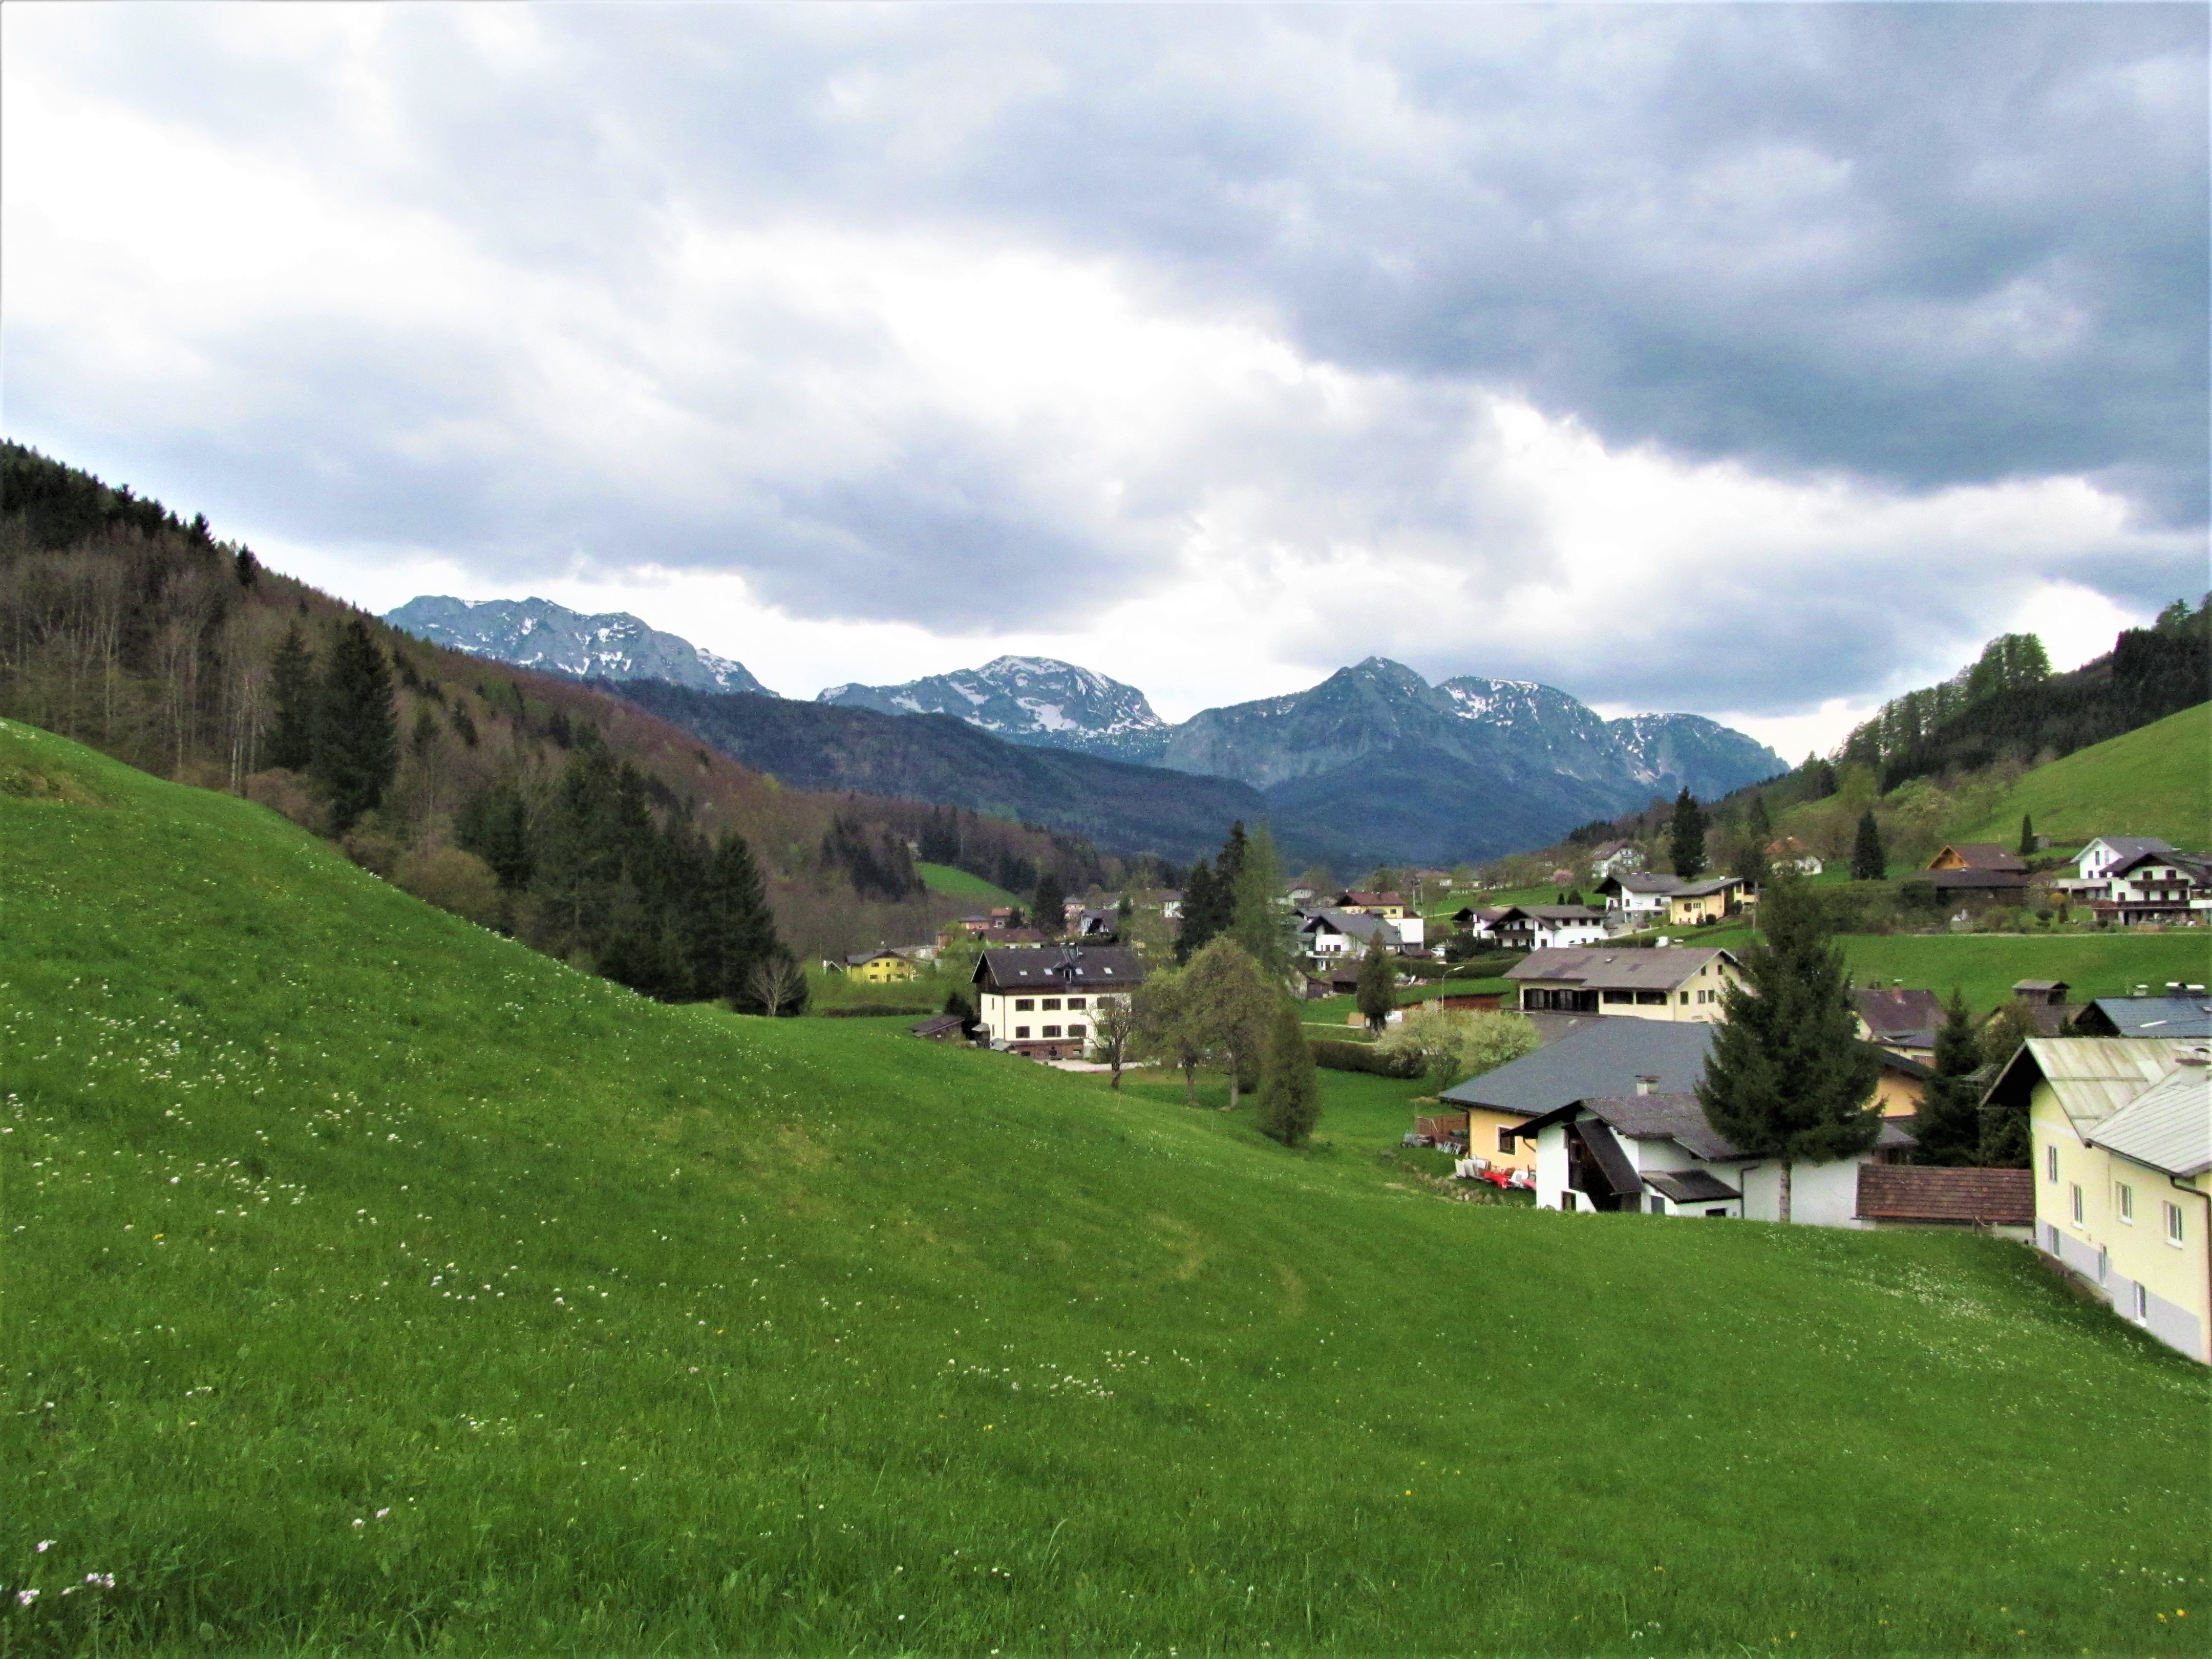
point(1374, 764)
point(555, 640)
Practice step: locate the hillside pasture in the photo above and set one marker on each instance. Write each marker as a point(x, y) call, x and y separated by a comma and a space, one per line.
point(375, 1285)
point(2155, 781)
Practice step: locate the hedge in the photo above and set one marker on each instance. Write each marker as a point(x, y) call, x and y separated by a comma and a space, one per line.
point(1362, 1057)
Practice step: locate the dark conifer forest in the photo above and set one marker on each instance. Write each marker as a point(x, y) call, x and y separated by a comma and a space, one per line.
point(575, 821)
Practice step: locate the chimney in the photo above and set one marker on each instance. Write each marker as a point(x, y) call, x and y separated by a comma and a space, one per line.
point(1644, 1086)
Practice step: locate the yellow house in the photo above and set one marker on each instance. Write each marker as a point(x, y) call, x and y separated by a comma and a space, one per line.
point(2121, 1132)
point(1391, 907)
point(1705, 900)
point(1669, 982)
point(879, 967)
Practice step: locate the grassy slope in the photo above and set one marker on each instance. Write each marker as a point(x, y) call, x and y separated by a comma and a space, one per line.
point(1986, 965)
point(2155, 780)
point(944, 879)
point(656, 1328)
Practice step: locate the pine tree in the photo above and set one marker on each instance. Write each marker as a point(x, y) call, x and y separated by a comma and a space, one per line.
point(1687, 836)
point(295, 695)
point(1789, 1079)
point(1376, 991)
point(1751, 864)
point(1289, 1093)
point(357, 737)
point(1197, 926)
point(1868, 861)
point(1256, 915)
point(730, 928)
point(2027, 835)
point(1948, 1124)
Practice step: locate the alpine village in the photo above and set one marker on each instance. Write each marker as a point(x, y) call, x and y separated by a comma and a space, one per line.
point(519, 1138)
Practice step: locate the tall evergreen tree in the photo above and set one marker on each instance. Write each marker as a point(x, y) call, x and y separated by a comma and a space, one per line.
point(1949, 1124)
point(2027, 834)
point(1256, 914)
point(1687, 836)
point(1868, 861)
point(1197, 926)
point(1375, 991)
point(357, 737)
point(730, 928)
point(1290, 1094)
point(296, 696)
point(1751, 862)
point(1789, 1079)
point(1048, 903)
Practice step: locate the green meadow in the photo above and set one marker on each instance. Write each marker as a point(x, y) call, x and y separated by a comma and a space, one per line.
point(2155, 781)
point(374, 1286)
point(958, 884)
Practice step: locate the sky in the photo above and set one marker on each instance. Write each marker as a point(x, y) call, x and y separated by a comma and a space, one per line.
point(1759, 362)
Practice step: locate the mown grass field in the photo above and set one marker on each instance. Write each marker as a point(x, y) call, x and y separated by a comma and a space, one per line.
point(375, 1285)
point(1986, 966)
point(944, 879)
point(2155, 780)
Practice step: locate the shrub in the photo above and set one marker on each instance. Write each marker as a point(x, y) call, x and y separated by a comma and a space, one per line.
point(1339, 1056)
point(453, 880)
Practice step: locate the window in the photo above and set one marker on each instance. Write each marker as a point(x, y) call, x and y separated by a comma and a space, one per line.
point(1020, 1031)
point(2127, 1195)
point(2078, 1204)
point(1686, 996)
point(1655, 1204)
point(1074, 1003)
point(1075, 1031)
point(2050, 1162)
point(1506, 1141)
point(1651, 999)
point(2141, 1299)
point(1717, 1215)
point(1052, 1030)
point(1051, 1003)
point(1023, 1004)
point(2173, 1234)
point(1620, 996)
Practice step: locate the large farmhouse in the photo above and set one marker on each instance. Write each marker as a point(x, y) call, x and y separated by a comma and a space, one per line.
point(1669, 983)
point(1045, 1003)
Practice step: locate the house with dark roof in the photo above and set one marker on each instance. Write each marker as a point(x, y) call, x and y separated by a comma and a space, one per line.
point(1045, 1003)
point(2097, 860)
point(1658, 1153)
point(1967, 885)
point(1669, 983)
point(1334, 935)
point(1903, 1022)
point(2002, 1202)
point(1699, 903)
point(1634, 899)
point(1548, 926)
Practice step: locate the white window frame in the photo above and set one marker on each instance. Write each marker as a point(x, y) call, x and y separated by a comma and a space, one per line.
point(2081, 1206)
point(2176, 1233)
point(2141, 1299)
point(2050, 1162)
point(2127, 1203)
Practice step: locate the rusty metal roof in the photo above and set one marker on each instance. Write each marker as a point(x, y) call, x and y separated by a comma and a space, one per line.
point(2093, 1077)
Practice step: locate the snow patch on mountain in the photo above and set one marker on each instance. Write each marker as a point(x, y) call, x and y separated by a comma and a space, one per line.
point(540, 635)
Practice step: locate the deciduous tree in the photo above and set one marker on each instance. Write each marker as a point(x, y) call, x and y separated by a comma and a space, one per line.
point(1230, 1002)
point(1166, 1030)
point(1376, 989)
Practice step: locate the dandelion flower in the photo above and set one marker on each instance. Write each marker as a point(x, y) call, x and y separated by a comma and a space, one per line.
point(25, 1597)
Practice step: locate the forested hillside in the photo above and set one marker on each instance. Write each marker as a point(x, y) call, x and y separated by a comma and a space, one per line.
point(527, 802)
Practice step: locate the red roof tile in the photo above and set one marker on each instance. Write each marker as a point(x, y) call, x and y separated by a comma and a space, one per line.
point(1898, 1192)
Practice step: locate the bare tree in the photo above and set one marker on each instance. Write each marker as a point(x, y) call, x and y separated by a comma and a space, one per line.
point(776, 983)
point(1114, 1024)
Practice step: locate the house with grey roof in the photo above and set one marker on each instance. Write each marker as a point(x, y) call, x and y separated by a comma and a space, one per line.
point(1046, 1004)
point(1328, 935)
point(1658, 1153)
point(1672, 983)
point(2120, 1132)
point(1902, 1021)
point(1548, 926)
point(2147, 1016)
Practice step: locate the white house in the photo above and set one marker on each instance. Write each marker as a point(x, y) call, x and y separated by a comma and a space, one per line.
point(1635, 901)
point(1332, 933)
point(1549, 926)
point(2099, 857)
point(1618, 858)
point(1045, 1003)
point(1658, 1153)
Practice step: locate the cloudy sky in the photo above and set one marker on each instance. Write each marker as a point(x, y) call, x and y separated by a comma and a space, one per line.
point(1755, 361)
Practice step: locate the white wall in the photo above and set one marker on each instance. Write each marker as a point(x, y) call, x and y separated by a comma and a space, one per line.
point(1820, 1195)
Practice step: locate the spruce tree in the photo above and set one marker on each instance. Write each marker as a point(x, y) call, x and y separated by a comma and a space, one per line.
point(1257, 918)
point(357, 737)
point(1289, 1093)
point(730, 928)
point(1789, 1079)
point(1687, 836)
point(1197, 926)
point(1948, 1124)
point(2027, 834)
point(295, 696)
point(1751, 864)
point(1048, 903)
point(1868, 861)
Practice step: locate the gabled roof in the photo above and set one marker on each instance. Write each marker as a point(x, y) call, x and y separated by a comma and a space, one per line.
point(1680, 1118)
point(1895, 1012)
point(853, 959)
point(1612, 968)
point(2040, 985)
point(1901, 1192)
point(1477, 913)
point(1604, 1057)
point(1090, 966)
point(1638, 882)
point(2187, 863)
point(1552, 913)
point(2129, 847)
point(2167, 1127)
point(1709, 884)
point(1972, 878)
point(1350, 897)
point(2092, 1077)
point(1355, 923)
point(2154, 1017)
point(1984, 855)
